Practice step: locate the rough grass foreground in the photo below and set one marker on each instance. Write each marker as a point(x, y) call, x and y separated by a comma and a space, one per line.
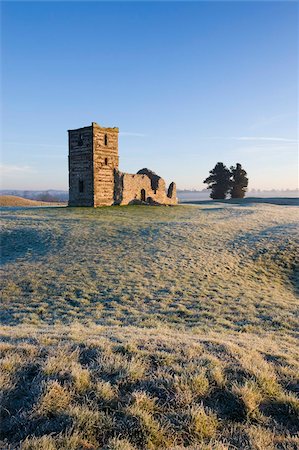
point(131, 388)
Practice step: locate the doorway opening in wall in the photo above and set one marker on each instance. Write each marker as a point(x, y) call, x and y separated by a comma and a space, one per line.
point(143, 195)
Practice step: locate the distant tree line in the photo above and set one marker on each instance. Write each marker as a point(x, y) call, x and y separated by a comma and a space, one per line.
point(47, 197)
point(223, 181)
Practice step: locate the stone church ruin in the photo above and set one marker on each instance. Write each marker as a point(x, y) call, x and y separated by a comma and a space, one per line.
point(94, 177)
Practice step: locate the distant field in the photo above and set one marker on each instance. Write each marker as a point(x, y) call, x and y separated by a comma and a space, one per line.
point(13, 200)
point(150, 327)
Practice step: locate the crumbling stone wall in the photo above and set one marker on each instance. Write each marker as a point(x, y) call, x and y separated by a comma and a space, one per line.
point(171, 192)
point(94, 178)
point(143, 186)
point(152, 176)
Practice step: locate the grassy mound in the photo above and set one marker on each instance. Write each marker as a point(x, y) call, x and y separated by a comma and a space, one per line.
point(13, 200)
point(217, 266)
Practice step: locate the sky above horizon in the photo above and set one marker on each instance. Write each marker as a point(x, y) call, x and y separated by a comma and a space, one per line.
point(188, 84)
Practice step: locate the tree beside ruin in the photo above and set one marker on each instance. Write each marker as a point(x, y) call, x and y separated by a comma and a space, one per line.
point(219, 181)
point(239, 181)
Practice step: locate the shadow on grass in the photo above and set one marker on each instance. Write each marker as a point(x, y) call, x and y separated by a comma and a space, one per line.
point(272, 247)
point(282, 414)
point(285, 201)
point(226, 404)
point(16, 408)
point(18, 401)
point(23, 242)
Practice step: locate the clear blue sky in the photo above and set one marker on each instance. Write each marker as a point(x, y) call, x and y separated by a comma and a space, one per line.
point(188, 84)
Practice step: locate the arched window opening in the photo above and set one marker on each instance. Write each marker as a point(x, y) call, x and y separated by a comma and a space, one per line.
point(143, 195)
point(106, 139)
point(106, 161)
point(80, 140)
point(81, 186)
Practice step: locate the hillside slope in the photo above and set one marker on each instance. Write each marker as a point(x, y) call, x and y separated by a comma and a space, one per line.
point(136, 328)
point(223, 266)
point(13, 200)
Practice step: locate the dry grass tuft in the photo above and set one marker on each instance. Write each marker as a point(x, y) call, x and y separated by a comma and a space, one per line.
point(81, 378)
point(55, 399)
point(92, 423)
point(250, 396)
point(105, 391)
point(119, 444)
point(11, 363)
point(291, 401)
point(42, 443)
point(61, 362)
point(201, 423)
point(261, 439)
point(119, 366)
point(152, 433)
point(144, 401)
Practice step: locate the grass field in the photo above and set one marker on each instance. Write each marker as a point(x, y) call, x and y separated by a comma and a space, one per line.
point(150, 327)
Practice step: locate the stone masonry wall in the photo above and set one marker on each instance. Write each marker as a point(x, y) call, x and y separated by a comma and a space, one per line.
point(94, 178)
point(128, 189)
point(105, 162)
point(80, 167)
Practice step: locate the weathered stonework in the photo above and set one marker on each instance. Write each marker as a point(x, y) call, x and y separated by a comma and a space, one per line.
point(94, 178)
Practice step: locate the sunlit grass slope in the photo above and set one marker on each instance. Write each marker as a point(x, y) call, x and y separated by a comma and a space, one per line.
point(210, 267)
point(13, 200)
point(150, 328)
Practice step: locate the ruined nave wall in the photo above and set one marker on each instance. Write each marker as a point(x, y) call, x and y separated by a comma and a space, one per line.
point(134, 187)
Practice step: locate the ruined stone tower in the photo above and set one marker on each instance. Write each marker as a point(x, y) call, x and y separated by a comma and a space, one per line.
point(93, 159)
point(94, 178)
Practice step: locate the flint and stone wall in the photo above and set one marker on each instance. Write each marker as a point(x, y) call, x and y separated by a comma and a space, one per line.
point(81, 167)
point(131, 188)
point(93, 159)
point(94, 178)
point(105, 163)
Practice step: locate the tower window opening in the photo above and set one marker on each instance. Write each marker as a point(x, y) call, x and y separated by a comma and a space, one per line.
point(81, 186)
point(106, 161)
point(106, 139)
point(80, 140)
